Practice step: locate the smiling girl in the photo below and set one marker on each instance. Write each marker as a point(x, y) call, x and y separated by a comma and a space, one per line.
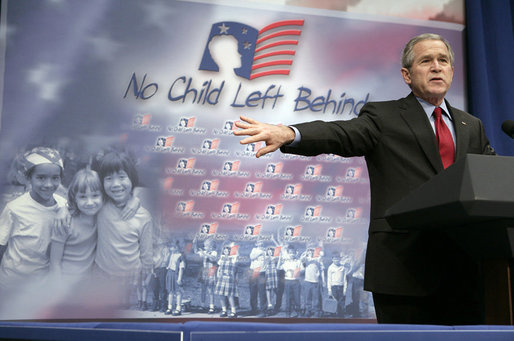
point(124, 250)
point(73, 248)
point(26, 222)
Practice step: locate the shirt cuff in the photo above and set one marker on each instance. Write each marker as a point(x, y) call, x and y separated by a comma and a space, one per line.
point(297, 137)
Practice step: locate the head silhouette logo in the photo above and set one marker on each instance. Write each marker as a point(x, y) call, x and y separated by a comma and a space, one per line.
point(250, 52)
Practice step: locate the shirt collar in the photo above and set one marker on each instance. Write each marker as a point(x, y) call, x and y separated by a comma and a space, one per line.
point(429, 108)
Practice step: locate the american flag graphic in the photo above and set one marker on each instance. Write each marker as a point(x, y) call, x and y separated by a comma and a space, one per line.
point(211, 144)
point(186, 163)
point(275, 168)
point(231, 166)
point(274, 53)
point(335, 191)
point(253, 187)
point(186, 206)
point(313, 170)
point(232, 208)
point(353, 172)
point(209, 228)
point(213, 228)
point(335, 232)
point(274, 209)
point(254, 147)
point(293, 189)
point(169, 141)
point(233, 250)
point(264, 52)
point(313, 211)
point(353, 212)
point(293, 231)
point(145, 120)
point(229, 125)
point(339, 232)
point(210, 185)
point(256, 229)
point(187, 122)
point(41, 155)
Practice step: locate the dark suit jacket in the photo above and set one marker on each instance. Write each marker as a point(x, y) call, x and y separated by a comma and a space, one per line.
point(401, 153)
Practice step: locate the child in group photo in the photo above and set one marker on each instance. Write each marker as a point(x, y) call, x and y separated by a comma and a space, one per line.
point(174, 279)
point(293, 268)
point(208, 276)
point(337, 282)
point(226, 280)
point(314, 281)
point(158, 282)
point(124, 255)
point(26, 222)
point(270, 265)
point(257, 280)
point(73, 247)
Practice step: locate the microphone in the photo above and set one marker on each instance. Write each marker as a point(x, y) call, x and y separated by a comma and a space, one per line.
point(508, 128)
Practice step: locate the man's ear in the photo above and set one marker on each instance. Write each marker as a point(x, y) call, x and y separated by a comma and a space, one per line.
point(406, 75)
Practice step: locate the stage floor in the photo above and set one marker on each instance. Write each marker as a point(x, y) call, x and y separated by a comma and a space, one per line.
point(248, 331)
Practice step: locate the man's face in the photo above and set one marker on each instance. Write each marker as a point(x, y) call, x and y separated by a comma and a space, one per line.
point(431, 73)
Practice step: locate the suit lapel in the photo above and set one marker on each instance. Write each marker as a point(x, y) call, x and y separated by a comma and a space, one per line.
point(461, 131)
point(415, 117)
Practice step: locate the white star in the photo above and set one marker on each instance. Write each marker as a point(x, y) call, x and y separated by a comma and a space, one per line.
point(156, 14)
point(247, 45)
point(47, 81)
point(223, 29)
point(244, 30)
point(104, 48)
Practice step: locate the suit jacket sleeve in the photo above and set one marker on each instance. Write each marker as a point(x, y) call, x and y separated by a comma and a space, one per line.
point(354, 137)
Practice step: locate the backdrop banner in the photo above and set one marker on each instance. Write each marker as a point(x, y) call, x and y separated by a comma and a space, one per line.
point(156, 86)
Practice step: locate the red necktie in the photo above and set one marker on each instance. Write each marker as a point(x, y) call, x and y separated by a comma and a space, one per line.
point(444, 139)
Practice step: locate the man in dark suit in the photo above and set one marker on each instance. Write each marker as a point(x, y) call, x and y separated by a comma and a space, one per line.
point(415, 277)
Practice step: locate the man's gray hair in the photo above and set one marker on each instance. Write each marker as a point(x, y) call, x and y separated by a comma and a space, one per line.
point(408, 53)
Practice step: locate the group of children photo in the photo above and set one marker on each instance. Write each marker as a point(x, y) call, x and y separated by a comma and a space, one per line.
point(221, 278)
point(93, 231)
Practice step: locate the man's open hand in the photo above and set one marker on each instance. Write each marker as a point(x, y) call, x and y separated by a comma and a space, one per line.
point(274, 136)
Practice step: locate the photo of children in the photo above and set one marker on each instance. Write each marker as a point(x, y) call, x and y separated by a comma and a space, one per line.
point(102, 241)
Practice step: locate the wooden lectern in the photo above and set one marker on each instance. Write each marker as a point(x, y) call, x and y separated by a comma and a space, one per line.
point(473, 200)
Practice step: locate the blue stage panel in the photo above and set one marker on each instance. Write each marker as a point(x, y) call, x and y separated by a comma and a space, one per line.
point(90, 331)
point(354, 335)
